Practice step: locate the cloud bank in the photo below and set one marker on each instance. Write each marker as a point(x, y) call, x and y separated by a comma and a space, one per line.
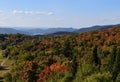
point(32, 12)
point(110, 19)
point(1, 12)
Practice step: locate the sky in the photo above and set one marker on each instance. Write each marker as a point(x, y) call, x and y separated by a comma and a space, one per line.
point(58, 13)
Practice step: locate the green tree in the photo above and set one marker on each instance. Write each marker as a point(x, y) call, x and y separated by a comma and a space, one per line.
point(8, 77)
point(118, 78)
point(112, 58)
point(116, 66)
point(67, 48)
point(94, 58)
point(99, 77)
point(6, 53)
point(57, 48)
point(74, 66)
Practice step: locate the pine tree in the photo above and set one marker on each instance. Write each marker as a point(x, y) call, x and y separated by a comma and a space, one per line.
point(56, 48)
point(116, 66)
point(95, 59)
point(67, 48)
point(74, 66)
point(112, 58)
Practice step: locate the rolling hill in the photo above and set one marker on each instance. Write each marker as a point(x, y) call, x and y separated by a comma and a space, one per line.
point(11, 31)
point(83, 57)
point(51, 31)
point(97, 27)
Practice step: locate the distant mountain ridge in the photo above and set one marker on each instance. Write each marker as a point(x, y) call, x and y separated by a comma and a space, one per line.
point(95, 28)
point(52, 31)
point(11, 31)
point(35, 31)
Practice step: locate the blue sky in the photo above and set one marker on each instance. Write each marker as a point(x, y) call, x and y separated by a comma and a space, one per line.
point(59, 13)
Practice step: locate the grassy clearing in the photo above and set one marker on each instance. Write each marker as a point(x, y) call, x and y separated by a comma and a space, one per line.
point(8, 62)
point(1, 57)
point(2, 72)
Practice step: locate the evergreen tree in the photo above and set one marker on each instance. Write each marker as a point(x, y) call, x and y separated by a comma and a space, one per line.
point(112, 58)
point(74, 66)
point(116, 67)
point(95, 59)
point(56, 48)
point(67, 48)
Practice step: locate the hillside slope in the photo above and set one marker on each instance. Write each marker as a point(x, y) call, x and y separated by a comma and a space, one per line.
point(84, 57)
point(97, 27)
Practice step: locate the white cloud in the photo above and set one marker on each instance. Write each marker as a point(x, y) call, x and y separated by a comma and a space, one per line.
point(115, 18)
point(110, 19)
point(59, 19)
point(32, 12)
point(1, 12)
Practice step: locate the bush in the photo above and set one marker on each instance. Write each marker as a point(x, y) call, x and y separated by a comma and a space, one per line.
point(118, 78)
point(99, 77)
point(8, 77)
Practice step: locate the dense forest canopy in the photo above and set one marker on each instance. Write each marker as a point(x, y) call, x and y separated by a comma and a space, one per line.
point(84, 57)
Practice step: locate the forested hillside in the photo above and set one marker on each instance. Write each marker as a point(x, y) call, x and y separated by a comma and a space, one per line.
point(84, 57)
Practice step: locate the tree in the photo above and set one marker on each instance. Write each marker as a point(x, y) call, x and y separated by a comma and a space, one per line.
point(6, 53)
point(28, 71)
point(95, 59)
point(67, 48)
point(99, 77)
point(112, 58)
point(56, 48)
point(74, 66)
point(8, 77)
point(116, 66)
point(118, 78)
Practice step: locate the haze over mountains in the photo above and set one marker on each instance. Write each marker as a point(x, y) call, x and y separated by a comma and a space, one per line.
point(39, 31)
point(11, 31)
point(49, 31)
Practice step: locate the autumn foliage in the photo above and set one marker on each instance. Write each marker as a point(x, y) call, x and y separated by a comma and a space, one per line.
point(80, 57)
point(53, 68)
